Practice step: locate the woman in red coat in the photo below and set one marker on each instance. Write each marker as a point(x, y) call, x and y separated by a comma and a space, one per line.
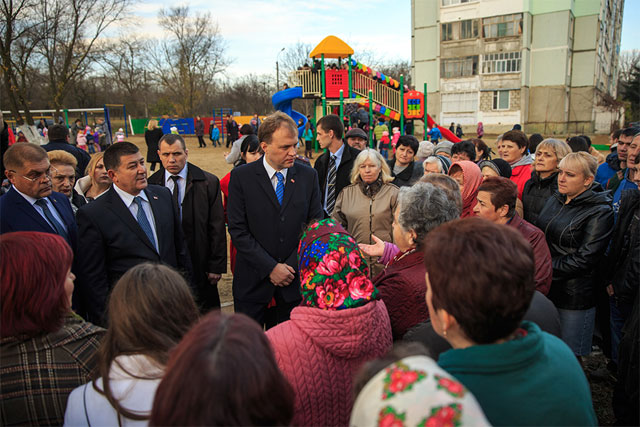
point(513, 148)
point(421, 208)
point(339, 326)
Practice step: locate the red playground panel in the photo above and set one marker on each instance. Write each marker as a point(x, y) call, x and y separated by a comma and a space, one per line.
point(336, 80)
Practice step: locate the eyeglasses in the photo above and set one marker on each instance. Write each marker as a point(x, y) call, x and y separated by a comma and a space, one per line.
point(37, 176)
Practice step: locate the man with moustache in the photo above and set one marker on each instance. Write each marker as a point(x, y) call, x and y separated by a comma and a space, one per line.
point(132, 223)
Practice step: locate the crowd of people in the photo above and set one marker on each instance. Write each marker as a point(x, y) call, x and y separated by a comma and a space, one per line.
point(393, 282)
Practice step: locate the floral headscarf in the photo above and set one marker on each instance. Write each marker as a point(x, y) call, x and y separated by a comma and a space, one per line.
point(415, 391)
point(333, 272)
point(472, 180)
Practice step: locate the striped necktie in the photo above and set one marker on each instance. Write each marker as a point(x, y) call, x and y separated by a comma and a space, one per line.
point(280, 187)
point(331, 185)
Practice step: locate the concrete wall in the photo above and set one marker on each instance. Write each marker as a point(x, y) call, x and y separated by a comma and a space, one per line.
point(425, 44)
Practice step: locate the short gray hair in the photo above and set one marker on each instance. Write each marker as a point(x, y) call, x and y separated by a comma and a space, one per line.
point(424, 207)
point(435, 161)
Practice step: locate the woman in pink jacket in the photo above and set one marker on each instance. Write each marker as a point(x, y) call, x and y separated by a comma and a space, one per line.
point(338, 326)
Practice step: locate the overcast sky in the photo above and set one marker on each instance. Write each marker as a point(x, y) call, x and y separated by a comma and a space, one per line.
point(256, 30)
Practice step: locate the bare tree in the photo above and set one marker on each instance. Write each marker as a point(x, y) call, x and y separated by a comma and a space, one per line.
point(628, 59)
point(18, 25)
point(69, 33)
point(126, 62)
point(249, 94)
point(188, 60)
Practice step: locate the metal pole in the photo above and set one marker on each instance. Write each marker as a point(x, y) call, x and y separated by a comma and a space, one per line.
point(66, 116)
point(341, 106)
point(370, 116)
point(86, 119)
point(277, 77)
point(425, 112)
point(324, 87)
point(401, 104)
point(126, 129)
point(315, 127)
point(349, 76)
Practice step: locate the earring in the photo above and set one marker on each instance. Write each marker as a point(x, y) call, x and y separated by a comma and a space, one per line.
point(444, 332)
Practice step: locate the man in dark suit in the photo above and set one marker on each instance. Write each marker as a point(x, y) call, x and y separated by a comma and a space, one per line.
point(130, 224)
point(59, 140)
point(200, 202)
point(335, 164)
point(270, 201)
point(30, 204)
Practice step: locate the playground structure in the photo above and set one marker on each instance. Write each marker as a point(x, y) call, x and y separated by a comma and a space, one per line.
point(359, 84)
point(114, 116)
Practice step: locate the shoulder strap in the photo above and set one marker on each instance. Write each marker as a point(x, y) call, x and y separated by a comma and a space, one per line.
point(84, 402)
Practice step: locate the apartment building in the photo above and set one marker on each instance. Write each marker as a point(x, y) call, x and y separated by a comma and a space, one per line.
point(542, 63)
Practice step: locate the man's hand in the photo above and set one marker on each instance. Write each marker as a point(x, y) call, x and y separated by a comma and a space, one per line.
point(214, 278)
point(225, 154)
point(282, 275)
point(377, 249)
point(610, 290)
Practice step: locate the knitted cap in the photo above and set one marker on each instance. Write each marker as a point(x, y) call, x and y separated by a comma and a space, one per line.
point(501, 167)
point(443, 147)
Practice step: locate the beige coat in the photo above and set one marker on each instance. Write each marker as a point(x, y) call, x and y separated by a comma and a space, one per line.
point(362, 216)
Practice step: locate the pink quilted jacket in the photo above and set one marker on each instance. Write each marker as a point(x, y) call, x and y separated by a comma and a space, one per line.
point(319, 351)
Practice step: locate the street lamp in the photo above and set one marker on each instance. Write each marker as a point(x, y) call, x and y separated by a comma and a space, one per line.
point(278, 70)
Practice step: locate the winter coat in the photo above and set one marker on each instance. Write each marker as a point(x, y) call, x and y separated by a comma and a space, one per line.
point(199, 128)
point(151, 137)
point(521, 172)
point(541, 255)
point(409, 176)
point(319, 351)
point(536, 192)
point(363, 216)
point(133, 380)
point(608, 169)
point(577, 234)
point(402, 288)
point(622, 264)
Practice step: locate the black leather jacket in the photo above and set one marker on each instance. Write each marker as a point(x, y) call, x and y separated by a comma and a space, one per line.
point(535, 195)
point(577, 234)
point(622, 264)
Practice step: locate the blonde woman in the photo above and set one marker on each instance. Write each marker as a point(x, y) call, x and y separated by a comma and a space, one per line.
point(577, 222)
point(366, 207)
point(151, 136)
point(96, 181)
point(544, 179)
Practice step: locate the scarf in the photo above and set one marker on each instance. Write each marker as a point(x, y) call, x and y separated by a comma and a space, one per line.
point(370, 190)
point(472, 178)
point(525, 160)
point(333, 272)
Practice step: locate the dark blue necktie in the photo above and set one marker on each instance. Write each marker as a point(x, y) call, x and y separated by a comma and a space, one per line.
point(280, 187)
point(52, 219)
point(144, 221)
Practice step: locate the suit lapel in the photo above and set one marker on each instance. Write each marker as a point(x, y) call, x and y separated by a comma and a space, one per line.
point(290, 186)
point(28, 209)
point(265, 183)
point(122, 212)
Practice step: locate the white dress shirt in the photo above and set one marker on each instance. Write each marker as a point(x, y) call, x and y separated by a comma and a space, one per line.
point(130, 203)
point(53, 210)
point(338, 154)
point(271, 173)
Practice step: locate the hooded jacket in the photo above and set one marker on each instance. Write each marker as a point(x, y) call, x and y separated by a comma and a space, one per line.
point(521, 172)
point(319, 351)
point(536, 192)
point(577, 234)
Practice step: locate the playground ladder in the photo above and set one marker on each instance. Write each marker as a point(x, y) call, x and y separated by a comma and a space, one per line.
point(311, 84)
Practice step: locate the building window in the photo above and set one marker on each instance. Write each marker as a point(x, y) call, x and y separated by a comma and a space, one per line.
point(459, 102)
point(459, 67)
point(502, 26)
point(453, 2)
point(506, 62)
point(500, 99)
point(467, 29)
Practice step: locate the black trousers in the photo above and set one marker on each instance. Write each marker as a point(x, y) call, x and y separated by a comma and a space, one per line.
point(201, 141)
point(267, 317)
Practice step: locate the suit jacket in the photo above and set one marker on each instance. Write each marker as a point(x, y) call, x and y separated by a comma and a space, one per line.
point(343, 175)
point(112, 242)
point(17, 214)
point(265, 233)
point(203, 225)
